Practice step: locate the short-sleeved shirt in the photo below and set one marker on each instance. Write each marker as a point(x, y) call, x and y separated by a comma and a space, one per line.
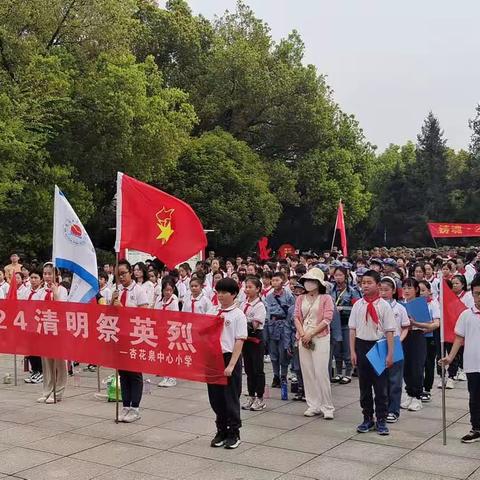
point(401, 317)
point(106, 293)
point(234, 326)
point(136, 295)
point(366, 328)
point(170, 305)
point(255, 312)
point(468, 327)
point(4, 287)
point(200, 304)
point(43, 293)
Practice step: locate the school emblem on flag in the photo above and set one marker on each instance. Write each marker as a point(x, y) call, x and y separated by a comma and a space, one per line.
point(74, 232)
point(164, 223)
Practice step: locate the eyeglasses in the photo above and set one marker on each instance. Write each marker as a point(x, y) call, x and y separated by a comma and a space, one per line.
point(122, 274)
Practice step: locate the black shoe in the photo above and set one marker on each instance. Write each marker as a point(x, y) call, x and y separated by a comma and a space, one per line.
point(336, 379)
point(298, 397)
point(471, 437)
point(233, 441)
point(276, 382)
point(294, 387)
point(426, 397)
point(355, 373)
point(219, 440)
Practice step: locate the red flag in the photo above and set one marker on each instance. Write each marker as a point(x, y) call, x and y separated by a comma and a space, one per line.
point(12, 291)
point(155, 222)
point(340, 225)
point(452, 308)
point(263, 250)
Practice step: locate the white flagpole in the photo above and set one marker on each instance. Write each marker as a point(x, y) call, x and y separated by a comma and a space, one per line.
point(336, 224)
point(442, 350)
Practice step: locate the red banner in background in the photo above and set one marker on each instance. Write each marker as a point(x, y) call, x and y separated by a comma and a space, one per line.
point(450, 230)
point(173, 344)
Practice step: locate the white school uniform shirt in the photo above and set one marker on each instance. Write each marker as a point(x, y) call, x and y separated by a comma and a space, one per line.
point(149, 289)
point(170, 305)
point(468, 327)
point(467, 299)
point(110, 281)
point(401, 317)
point(255, 311)
point(366, 329)
point(201, 304)
point(470, 272)
point(266, 292)
point(41, 294)
point(182, 291)
point(136, 295)
point(234, 326)
point(106, 293)
point(23, 290)
point(185, 282)
point(435, 284)
point(4, 287)
point(434, 309)
point(242, 296)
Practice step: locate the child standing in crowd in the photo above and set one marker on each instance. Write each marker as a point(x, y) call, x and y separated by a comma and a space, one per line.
point(278, 302)
point(467, 333)
point(168, 302)
point(225, 399)
point(196, 301)
point(129, 294)
point(371, 319)
point(313, 314)
point(344, 296)
point(3, 284)
point(140, 274)
point(253, 348)
point(52, 368)
point(104, 291)
point(388, 291)
point(266, 284)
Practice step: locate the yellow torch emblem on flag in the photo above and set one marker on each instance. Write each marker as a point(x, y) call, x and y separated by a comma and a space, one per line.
point(164, 224)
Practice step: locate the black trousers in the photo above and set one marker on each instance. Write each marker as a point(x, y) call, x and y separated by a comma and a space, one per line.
point(474, 399)
point(225, 399)
point(368, 380)
point(253, 361)
point(453, 367)
point(430, 361)
point(131, 384)
point(415, 352)
point(35, 364)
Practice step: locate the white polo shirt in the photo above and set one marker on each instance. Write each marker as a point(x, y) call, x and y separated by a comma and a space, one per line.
point(136, 295)
point(42, 293)
point(468, 327)
point(401, 317)
point(201, 304)
point(366, 328)
point(4, 287)
point(255, 311)
point(170, 305)
point(106, 293)
point(234, 326)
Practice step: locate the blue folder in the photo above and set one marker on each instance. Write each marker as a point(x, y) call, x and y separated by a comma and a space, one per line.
point(377, 355)
point(418, 310)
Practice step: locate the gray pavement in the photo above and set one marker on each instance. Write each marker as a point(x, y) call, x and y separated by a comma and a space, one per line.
point(77, 439)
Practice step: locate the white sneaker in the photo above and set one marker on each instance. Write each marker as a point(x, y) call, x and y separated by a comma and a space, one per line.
point(133, 415)
point(328, 415)
point(123, 414)
point(162, 382)
point(461, 376)
point(406, 403)
point(416, 405)
point(41, 400)
point(310, 412)
point(37, 378)
point(266, 359)
point(258, 405)
point(248, 404)
point(450, 385)
point(170, 382)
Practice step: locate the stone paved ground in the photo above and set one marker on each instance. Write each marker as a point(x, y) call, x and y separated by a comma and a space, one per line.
point(78, 440)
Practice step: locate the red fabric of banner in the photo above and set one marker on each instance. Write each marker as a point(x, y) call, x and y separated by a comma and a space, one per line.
point(173, 344)
point(452, 308)
point(341, 227)
point(451, 230)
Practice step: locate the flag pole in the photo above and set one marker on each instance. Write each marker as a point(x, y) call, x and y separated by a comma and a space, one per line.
point(54, 279)
point(117, 395)
point(335, 229)
point(442, 354)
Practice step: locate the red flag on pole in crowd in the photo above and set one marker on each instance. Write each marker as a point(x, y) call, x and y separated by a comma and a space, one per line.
point(340, 225)
point(155, 222)
point(452, 308)
point(12, 290)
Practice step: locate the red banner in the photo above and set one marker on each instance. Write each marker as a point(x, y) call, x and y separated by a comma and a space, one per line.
point(173, 344)
point(448, 230)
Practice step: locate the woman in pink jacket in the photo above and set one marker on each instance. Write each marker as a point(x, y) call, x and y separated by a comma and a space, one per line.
point(313, 314)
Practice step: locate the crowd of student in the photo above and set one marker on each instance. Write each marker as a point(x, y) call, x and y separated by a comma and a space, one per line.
point(314, 317)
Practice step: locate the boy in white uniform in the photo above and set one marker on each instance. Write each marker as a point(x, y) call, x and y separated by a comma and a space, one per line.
point(225, 399)
point(467, 333)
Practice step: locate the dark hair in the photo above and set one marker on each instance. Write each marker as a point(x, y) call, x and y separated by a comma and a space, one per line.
point(426, 283)
point(374, 275)
point(126, 264)
point(300, 269)
point(463, 281)
point(200, 276)
point(470, 256)
point(392, 283)
point(421, 266)
point(143, 268)
point(36, 271)
point(185, 266)
point(103, 275)
point(227, 285)
point(279, 275)
point(342, 270)
point(411, 282)
point(475, 281)
point(267, 274)
point(169, 281)
point(255, 280)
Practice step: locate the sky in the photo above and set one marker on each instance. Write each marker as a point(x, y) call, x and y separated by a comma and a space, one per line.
point(389, 62)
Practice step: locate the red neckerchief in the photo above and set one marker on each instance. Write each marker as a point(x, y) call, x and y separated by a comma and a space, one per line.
point(371, 308)
point(429, 299)
point(462, 294)
point(123, 297)
point(32, 293)
point(250, 305)
point(48, 295)
point(266, 291)
point(215, 298)
point(193, 304)
point(165, 305)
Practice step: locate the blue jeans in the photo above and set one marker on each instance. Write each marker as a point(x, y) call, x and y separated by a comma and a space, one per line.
point(342, 353)
point(279, 357)
point(395, 381)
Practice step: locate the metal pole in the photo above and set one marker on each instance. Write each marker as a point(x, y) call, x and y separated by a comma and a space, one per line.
point(335, 229)
point(442, 350)
point(117, 396)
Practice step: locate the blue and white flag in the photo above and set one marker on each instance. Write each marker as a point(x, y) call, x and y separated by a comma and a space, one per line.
point(73, 250)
